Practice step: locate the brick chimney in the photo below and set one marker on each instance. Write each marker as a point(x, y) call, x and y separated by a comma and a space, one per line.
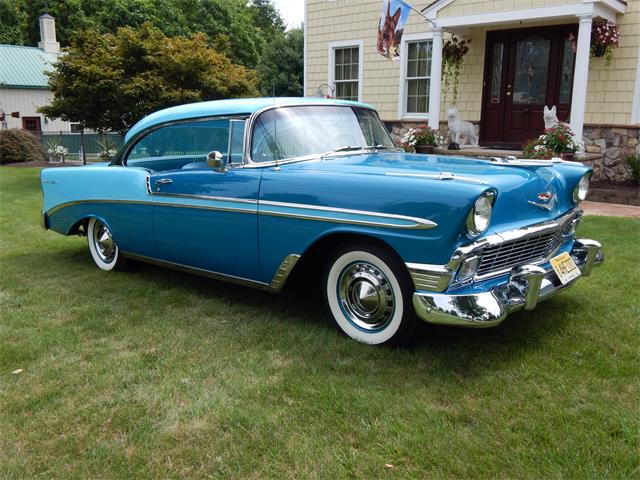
point(48, 34)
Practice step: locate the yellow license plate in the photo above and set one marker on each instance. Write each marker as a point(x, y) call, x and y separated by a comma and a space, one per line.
point(565, 268)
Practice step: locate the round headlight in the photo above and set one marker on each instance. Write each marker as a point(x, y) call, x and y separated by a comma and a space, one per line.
point(582, 189)
point(480, 217)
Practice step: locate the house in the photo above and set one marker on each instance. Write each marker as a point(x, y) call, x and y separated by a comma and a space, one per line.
point(524, 54)
point(23, 84)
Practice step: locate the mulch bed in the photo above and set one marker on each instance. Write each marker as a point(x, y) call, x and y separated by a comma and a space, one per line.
point(623, 193)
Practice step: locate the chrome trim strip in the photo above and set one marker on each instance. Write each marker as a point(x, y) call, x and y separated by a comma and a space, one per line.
point(281, 275)
point(435, 278)
point(438, 176)
point(415, 222)
point(219, 208)
point(206, 197)
point(199, 271)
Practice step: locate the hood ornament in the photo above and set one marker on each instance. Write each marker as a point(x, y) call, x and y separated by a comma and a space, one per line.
point(547, 201)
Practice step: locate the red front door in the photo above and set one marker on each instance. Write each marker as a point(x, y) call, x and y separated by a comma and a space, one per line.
point(525, 69)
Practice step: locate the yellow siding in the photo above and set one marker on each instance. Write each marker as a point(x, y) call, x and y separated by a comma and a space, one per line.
point(610, 89)
point(475, 7)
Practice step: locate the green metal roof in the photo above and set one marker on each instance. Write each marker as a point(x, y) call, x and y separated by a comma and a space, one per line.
point(24, 67)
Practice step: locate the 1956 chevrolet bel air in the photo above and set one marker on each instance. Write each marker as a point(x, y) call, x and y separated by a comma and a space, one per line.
point(243, 190)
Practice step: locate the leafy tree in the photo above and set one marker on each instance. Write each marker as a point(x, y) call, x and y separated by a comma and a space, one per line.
point(282, 65)
point(245, 24)
point(110, 81)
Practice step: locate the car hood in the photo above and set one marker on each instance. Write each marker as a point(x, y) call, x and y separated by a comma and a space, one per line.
point(522, 188)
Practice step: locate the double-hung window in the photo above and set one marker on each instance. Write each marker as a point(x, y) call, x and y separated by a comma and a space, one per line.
point(417, 78)
point(346, 71)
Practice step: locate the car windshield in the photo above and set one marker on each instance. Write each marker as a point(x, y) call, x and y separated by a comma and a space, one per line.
point(304, 131)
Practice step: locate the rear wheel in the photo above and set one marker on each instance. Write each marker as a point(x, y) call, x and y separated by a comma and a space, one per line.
point(368, 293)
point(104, 251)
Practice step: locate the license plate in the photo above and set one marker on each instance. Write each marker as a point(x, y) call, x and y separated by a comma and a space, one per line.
point(565, 268)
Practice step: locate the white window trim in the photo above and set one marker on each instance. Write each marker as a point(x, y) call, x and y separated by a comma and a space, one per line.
point(635, 113)
point(331, 62)
point(402, 100)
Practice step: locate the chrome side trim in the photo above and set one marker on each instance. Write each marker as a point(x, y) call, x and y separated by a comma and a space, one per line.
point(281, 275)
point(220, 208)
point(411, 222)
point(205, 197)
point(435, 278)
point(199, 271)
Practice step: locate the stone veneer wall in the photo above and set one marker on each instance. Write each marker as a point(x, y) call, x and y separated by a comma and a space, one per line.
point(613, 143)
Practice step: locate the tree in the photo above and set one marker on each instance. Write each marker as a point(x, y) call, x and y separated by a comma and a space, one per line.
point(245, 24)
point(282, 65)
point(109, 82)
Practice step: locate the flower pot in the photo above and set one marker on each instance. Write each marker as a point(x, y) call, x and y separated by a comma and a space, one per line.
point(598, 50)
point(425, 149)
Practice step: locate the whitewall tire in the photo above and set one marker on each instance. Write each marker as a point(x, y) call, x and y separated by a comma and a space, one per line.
point(368, 294)
point(104, 251)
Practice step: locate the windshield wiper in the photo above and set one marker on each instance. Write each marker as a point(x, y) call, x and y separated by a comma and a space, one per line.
point(346, 148)
point(380, 147)
point(350, 148)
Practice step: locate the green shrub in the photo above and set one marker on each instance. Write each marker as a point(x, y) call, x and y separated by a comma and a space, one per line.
point(20, 146)
point(634, 164)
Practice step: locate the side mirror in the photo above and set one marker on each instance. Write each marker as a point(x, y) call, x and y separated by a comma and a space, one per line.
point(214, 160)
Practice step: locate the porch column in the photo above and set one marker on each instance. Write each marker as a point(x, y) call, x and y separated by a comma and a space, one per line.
point(581, 76)
point(436, 79)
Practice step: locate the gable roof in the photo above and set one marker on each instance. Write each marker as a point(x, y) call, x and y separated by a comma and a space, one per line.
point(24, 67)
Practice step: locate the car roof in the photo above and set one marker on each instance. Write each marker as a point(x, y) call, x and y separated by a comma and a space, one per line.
point(235, 106)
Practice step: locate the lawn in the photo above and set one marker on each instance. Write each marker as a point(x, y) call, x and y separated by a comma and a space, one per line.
point(151, 373)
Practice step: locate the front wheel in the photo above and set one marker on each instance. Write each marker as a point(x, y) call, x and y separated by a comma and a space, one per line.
point(104, 251)
point(368, 294)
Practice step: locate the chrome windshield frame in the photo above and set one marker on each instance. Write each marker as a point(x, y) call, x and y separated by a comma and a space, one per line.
point(248, 133)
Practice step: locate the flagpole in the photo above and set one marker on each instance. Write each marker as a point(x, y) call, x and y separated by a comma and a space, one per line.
point(433, 24)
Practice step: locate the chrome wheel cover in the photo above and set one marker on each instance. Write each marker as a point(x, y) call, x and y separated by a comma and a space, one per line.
point(105, 247)
point(365, 296)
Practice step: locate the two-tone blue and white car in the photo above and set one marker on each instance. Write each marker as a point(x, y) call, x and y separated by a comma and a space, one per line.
point(248, 190)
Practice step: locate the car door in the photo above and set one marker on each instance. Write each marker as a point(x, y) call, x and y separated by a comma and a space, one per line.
point(206, 218)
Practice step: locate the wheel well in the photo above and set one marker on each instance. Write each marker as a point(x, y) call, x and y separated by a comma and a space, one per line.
point(311, 263)
point(80, 227)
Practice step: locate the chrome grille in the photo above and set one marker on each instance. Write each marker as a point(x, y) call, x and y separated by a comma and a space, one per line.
point(518, 252)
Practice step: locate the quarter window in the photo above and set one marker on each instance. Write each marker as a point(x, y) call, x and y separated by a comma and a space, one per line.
point(346, 73)
point(418, 77)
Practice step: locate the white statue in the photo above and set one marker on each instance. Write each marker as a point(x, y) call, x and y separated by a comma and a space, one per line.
point(459, 129)
point(550, 117)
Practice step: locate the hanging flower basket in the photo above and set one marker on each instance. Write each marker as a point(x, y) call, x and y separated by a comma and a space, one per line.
point(605, 37)
point(453, 53)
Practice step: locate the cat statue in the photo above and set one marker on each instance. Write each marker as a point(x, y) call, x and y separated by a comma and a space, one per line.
point(459, 129)
point(550, 117)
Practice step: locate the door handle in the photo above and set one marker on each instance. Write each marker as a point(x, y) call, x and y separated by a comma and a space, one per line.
point(163, 181)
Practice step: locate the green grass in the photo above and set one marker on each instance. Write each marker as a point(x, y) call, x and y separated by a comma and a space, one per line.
point(151, 373)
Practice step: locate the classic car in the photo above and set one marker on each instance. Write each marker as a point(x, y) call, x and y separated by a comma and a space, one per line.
point(245, 190)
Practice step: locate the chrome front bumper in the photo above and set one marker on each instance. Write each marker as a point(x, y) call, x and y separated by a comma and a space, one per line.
point(526, 286)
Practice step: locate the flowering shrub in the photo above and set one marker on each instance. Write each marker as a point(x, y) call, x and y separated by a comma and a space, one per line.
point(553, 142)
point(422, 135)
point(536, 150)
point(108, 147)
point(57, 150)
point(605, 36)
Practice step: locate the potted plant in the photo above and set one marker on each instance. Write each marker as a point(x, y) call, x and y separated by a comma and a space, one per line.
point(108, 147)
point(57, 151)
point(422, 139)
point(605, 37)
point(557, 141)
